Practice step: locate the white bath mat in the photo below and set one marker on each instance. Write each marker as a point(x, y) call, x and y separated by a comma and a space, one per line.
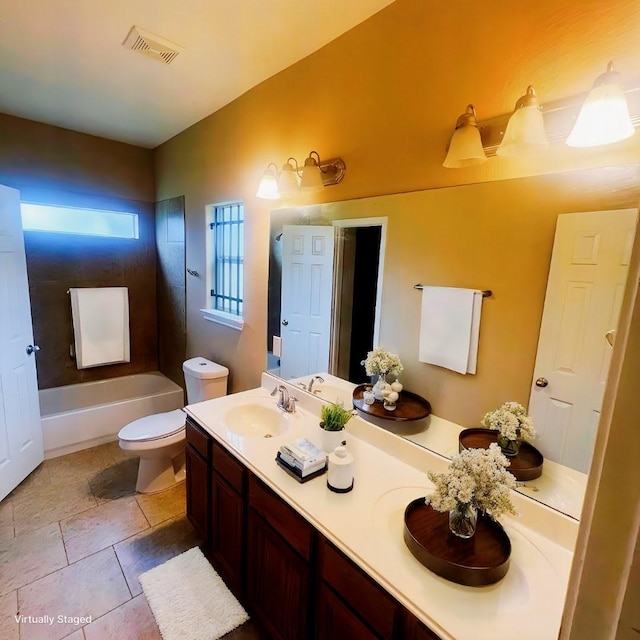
point(189, 600)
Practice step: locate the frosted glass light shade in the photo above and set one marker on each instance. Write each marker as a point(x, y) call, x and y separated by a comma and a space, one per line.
point(268, 187)
point(311, 180)
point(465, 148)
point(525, 134)
point(603, 119)
point(288, 181)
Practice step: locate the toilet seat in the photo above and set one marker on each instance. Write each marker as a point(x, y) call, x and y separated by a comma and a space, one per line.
point(154, 427)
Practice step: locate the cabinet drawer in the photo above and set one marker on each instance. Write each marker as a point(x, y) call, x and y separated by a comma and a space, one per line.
point(198, 439)
point(364, 595)
point(228, 467)
point(291, 526)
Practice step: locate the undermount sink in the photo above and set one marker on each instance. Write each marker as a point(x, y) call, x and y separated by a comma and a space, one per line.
point(257, 421)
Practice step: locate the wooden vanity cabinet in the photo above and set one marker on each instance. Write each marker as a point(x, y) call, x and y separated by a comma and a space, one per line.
point(228, 518)
point(197, 466)
point(296, 583)
point(280, 548)
point(350, 599)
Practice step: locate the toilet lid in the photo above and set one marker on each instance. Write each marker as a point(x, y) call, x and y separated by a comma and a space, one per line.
point(158, 425)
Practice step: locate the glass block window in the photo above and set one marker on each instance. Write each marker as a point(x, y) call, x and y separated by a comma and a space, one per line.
point(89, 222)
point(228, 257)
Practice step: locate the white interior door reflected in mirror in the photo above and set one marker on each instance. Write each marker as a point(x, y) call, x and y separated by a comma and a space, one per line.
point(587, 278)
point(307, 285)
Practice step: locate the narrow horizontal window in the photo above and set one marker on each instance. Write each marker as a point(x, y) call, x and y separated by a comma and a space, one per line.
point(88, 222)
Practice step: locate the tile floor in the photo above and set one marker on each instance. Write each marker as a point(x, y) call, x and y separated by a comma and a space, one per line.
point(75, 536)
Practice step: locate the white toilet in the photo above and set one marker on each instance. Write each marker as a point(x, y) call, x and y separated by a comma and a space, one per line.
point(159, 438)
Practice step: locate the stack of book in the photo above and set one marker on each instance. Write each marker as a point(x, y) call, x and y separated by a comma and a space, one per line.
point(302, 459)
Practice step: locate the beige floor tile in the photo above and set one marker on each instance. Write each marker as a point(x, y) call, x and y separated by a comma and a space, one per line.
point(158, 507)
point(153, 547)
point(30, 556)
point(31, 485)
point(52, 503)
point(131, 621)
point(86, 464)
point(116, 481)
point(101, 527)
point(90, 587)
point(9, 628)
point(6, 520)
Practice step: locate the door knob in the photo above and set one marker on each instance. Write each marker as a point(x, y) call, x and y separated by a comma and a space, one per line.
point(285, 323)
point(542, 382)
point(32, 348)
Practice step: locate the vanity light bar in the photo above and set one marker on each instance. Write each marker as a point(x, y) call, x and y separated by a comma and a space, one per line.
point(486, 293)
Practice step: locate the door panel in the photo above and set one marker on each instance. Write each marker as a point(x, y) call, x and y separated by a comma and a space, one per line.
point(307, 285)
point(586, 285)
point(21, 449)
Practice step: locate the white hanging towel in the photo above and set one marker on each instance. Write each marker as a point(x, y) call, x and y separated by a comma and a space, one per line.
point(450, 328)
point(100, 325)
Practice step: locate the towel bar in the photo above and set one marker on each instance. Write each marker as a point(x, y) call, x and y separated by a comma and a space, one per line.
point(485, 293)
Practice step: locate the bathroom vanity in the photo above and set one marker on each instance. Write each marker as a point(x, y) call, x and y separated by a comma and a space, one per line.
point(310, 563)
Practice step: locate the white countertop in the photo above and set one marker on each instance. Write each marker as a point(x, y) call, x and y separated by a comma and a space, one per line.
point(367, 525)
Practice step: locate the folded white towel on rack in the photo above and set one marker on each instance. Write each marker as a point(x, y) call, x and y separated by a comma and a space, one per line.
point(450, 328)
point(100, 325)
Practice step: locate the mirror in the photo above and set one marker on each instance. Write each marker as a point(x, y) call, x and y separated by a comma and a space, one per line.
point(493, 235)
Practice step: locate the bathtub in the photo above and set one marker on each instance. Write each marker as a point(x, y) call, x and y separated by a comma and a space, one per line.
point(79, 416)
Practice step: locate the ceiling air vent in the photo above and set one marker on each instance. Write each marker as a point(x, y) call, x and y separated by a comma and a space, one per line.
point(151, 45)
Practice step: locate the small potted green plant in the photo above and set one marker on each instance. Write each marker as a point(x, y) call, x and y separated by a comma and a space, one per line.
point(334, 417)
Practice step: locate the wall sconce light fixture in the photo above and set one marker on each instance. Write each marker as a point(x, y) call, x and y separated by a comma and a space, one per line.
point(525, 132)
point(609, 113)
point(604, 117)
point(314, 175)
point(465, 148)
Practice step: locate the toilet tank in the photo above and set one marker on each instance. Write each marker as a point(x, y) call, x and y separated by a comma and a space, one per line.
point(205, 380)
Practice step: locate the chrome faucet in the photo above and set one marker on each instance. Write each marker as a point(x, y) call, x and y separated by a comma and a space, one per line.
point(310, 387)
point(285, 401)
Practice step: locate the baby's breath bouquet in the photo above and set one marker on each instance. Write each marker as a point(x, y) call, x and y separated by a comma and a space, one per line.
point(476, 478)
point(381, 363)
point(512, 421)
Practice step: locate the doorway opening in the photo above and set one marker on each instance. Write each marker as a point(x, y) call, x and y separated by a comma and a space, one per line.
point(357, 295)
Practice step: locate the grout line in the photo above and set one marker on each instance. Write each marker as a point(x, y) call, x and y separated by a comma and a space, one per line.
point(64, 546)
point(122, 570)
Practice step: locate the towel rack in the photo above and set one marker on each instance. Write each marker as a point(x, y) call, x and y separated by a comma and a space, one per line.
point(485, 294)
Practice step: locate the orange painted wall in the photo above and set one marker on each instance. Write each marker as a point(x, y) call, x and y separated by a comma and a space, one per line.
point(385, 97)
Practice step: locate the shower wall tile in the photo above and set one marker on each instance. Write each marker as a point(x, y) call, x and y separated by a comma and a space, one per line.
point(57, 262)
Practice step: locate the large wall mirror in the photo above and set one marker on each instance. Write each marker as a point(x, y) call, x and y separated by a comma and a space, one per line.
point(494, 235)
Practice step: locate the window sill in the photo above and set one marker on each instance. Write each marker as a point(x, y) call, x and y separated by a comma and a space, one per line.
point(221, 317)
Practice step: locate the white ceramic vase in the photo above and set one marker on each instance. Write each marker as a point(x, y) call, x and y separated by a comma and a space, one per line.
point(329, 440)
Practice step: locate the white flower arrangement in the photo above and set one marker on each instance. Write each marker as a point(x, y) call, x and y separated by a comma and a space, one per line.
point(477, 477)
point(512, 421)
point(381, 362)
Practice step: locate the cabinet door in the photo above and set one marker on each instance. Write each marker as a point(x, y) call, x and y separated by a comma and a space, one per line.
point(227, 533)
point(413, 629)
point(336, 620)
point(278, 582)
point(198, 495)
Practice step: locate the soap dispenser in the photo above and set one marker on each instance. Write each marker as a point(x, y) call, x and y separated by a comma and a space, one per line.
point(340, 476)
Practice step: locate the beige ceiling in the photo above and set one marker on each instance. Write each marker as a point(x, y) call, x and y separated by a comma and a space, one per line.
point(62, 61)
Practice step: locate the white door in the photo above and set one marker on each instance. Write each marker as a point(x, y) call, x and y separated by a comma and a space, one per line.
point(305, 312)
point(589, 265)
point(20, 429)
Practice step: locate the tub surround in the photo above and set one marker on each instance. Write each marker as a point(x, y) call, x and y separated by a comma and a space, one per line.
point(389, 473)
point(79, 416)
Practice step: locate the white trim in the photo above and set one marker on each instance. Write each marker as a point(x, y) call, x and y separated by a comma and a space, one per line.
point(372, 222)
point(224, 318)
